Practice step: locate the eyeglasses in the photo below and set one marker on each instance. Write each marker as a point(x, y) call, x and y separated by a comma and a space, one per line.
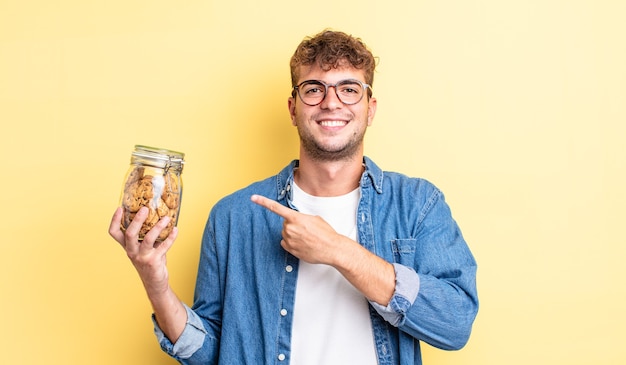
point(349, 92)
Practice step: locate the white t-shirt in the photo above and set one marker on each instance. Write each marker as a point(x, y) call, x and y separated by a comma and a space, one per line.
point(331, 323)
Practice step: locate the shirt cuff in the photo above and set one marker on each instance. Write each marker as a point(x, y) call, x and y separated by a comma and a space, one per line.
point(407, 288)
point(189, 341)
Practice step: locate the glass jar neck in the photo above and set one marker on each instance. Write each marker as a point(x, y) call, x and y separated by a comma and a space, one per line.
point(158, 157)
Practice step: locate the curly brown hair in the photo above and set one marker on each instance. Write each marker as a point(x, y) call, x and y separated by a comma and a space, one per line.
point(332, 49)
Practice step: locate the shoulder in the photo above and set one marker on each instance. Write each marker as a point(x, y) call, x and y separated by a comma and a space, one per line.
point(396, 181)
point(392, 182)
point(242, 196)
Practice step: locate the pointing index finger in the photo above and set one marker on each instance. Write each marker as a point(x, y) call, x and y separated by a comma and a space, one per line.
point(272, 205)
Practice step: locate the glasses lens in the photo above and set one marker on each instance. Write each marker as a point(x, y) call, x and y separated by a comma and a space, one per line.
point(349, 91)
point(312, 92)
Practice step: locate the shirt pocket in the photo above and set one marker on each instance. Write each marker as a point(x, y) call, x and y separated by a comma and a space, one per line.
point(404, 250)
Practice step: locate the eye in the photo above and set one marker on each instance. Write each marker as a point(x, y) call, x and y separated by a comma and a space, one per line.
point(312, 88)
point(350, 88)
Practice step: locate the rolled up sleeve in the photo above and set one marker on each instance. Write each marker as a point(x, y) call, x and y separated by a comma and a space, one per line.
point(407, 288)
point(190, 340)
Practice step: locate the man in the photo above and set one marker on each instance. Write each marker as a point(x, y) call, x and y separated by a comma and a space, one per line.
point(331, 261)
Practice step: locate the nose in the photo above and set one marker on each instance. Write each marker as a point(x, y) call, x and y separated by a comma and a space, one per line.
point(331, 100)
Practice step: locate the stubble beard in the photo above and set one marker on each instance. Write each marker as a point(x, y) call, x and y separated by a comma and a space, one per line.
point(329, 153)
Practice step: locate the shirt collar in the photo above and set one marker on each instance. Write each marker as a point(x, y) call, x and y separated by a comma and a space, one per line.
point(372, 175)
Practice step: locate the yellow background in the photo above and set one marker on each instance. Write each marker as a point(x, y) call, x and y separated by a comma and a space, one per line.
point(515, 109)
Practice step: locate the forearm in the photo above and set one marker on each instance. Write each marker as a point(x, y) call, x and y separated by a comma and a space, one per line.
point(368, 273)
point(169, 313)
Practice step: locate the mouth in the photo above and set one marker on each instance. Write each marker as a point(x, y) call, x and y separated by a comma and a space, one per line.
point(332, 123)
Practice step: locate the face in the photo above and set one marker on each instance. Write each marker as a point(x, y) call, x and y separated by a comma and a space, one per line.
point(331, 130)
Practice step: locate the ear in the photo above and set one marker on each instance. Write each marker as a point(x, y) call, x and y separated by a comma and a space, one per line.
point(291, 104)
point(371, 111)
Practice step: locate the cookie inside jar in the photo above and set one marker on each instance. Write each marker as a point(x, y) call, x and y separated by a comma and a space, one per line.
point(153, 182)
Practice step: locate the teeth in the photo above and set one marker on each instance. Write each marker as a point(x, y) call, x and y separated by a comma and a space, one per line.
point(332, 123)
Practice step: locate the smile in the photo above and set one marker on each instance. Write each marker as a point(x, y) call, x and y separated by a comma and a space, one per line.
point(333, 123)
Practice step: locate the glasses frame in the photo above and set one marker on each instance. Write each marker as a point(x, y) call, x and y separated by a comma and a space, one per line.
point(366, 87)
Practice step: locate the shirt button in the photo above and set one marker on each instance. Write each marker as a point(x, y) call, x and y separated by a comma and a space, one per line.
point(281, 357)
point(283, 312)
point(289, 268)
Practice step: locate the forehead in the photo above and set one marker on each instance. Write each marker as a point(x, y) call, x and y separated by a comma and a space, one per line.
point(315, 72)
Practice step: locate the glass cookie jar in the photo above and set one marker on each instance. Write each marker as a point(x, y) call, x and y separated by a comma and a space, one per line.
point(153, 180)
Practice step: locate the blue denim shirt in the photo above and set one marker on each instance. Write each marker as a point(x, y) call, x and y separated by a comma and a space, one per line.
point(245, 289)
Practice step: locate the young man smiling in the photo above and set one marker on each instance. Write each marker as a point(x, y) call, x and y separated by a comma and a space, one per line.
point(331, 261)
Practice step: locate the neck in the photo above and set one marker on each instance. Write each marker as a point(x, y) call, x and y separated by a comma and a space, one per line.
point(329, 178)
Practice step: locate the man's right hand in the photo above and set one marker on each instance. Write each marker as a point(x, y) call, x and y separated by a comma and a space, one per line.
point(149, 259)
